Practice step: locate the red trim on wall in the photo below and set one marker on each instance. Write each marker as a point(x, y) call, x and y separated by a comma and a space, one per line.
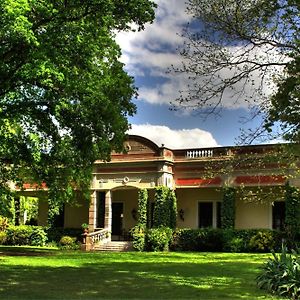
point(35, 186)
point(198, 181)
point(128, 169)
point(260, 179)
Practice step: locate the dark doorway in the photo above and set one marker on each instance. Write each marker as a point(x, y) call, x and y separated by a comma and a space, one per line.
point(100, 209)
point(278, 214)
point(117, 218)
point(205, 214)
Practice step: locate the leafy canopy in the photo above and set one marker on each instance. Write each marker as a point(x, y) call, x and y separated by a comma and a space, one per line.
point(64, 96)
point(244, 51)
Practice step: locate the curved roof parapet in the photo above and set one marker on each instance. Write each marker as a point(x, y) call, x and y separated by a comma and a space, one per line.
point(135, 144)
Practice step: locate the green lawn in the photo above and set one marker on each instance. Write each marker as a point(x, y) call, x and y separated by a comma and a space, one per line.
point(27, 273)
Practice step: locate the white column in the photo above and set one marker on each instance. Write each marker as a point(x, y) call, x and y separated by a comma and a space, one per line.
point(108, 211)
point(93, 212)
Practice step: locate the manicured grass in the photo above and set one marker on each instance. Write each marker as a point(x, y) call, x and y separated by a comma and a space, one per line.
point(29, 273)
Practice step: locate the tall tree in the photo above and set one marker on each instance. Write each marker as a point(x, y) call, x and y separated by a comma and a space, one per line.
point(244, 50)
point(64, 96)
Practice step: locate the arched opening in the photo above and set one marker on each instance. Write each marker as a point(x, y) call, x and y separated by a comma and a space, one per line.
point(124, 207)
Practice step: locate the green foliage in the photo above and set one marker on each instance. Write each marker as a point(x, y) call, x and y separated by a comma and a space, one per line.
point(185, 240)
point(292, 209)
point(236, 244)
point(142, 207)
point(3, 237)
point(138, 237)
point(63, 107)
point(206, 239)
point(158, 239)
point(55, 234)
point(228, 208)
point(161, 215)
point(38, 237)
point(281, 274)
point(229, 240)
point(263, 241)
point(216, 72)
point(19, 235)
point(210, 239)
point(67, 240)
point(3, 223)
point(68, 243)
point(173, 209)
point(165, 208)
point(84, 226)
point(26, 235)
point(29, 206)
point(7, 205)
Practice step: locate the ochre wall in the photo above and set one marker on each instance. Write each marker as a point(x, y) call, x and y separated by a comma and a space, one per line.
point(248, 215)
point(76, 214)
point(253, 215)
point(188, 198)
point(43, 212)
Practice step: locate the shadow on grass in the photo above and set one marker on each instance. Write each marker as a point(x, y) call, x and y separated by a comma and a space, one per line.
point(139, 276)
point(25, 251)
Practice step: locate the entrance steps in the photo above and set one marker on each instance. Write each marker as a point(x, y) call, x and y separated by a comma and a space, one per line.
point(120, 246)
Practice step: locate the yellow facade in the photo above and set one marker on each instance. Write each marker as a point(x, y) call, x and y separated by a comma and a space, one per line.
point(147, 166)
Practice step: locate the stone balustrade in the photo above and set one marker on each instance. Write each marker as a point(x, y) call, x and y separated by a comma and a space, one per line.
point(96, 237)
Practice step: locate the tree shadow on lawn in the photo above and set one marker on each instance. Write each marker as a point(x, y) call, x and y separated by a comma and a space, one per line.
point(135, 280)
point(25, 251)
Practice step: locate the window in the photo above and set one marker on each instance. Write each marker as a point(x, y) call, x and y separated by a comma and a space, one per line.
point(100, 209)
point(278, 215)
point(59, 219)
point(209, 214)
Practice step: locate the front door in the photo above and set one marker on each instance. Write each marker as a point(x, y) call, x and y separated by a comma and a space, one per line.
point(117, 218)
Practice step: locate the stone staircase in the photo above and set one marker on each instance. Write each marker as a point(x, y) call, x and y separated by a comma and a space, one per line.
point(120, 246)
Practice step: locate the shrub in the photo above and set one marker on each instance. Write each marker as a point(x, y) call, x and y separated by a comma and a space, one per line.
point(210, 239)
point(19, 235)
point(68, 243)
point(3, 223)
point(281, 275)
point(3, 237)
point(38, 237)
point(55, 233)
point(138, 237)
point(185, 240)
point(231, 240)
point(263, 241)
point(158, 239)
point(26, 235)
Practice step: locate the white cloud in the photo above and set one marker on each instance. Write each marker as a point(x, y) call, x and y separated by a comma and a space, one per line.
point(154, 50)
point(175, 139)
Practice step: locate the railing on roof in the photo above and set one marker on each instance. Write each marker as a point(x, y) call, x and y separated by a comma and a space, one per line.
point(199, 153)
point(223, 151)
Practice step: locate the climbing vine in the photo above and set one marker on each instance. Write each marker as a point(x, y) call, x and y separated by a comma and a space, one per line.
point(142, 207)
point(228, 208)
point(165, 208)
point(292, 208)
point(173, 208)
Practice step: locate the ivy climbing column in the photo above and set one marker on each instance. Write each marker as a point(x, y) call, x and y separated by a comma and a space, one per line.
point(228, 208)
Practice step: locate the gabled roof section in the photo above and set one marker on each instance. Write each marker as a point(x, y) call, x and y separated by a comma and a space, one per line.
point(138, 146)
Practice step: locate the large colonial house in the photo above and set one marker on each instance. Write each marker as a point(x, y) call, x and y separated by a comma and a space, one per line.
point(198, 177)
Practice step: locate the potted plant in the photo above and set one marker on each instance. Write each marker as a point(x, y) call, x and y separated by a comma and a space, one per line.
point(85, 227)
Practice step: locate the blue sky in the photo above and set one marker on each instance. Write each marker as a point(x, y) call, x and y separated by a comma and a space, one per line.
point(147, 56)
